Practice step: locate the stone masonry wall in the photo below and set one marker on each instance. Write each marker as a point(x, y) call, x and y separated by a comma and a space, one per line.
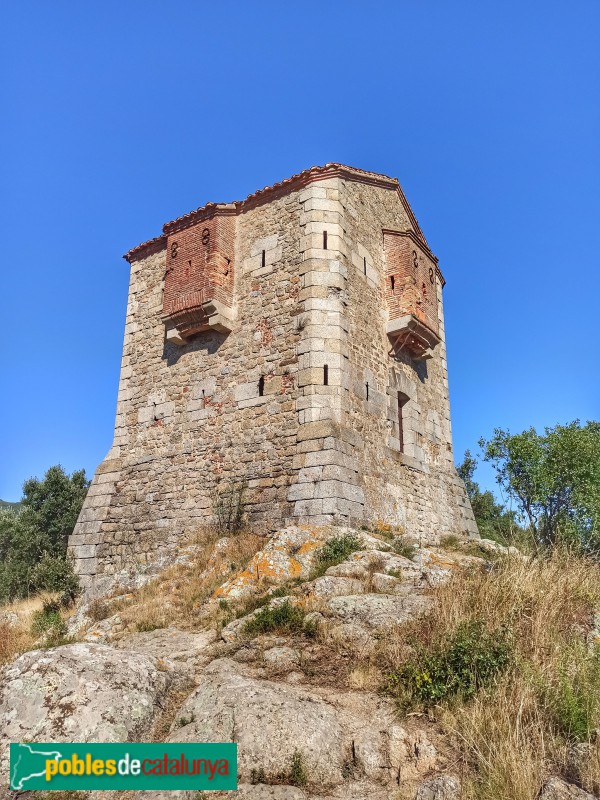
point(417, 488)
point(190, 418)
point(321, 442)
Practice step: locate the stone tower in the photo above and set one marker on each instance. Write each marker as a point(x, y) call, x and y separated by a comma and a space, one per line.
point(293, 341)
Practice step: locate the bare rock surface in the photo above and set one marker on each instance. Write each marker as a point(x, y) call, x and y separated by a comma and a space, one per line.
point(79, 693)
point(185, 650)
point(378, 610)
point(349, 742)
point(557, 789)
point(442, 787)
point(269, 721)
point(330, 586)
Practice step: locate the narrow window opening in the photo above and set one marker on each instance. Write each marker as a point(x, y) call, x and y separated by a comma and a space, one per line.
point(261, 386)
point(263, 258)
point(393, 283)
point(402, 401)
point(324, 240)
point(367, 390)
point(203, 399)
point(365, 265)
point(326, 375)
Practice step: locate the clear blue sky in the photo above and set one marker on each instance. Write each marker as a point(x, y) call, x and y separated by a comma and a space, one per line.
point(119, 116)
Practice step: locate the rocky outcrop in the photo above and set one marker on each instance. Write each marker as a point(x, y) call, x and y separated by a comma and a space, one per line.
point(79, 693)
point(269, 722)
point(557, 789)
point(262, 692)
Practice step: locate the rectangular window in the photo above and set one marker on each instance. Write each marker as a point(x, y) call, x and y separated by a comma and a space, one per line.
point(402, 401)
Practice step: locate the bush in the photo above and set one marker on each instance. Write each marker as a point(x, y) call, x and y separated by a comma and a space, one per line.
point(252, 603)
point(572, 695)
point(334, 552)
point(33, 540)
point(285, 618)
point(459, 666)
point(48, 621)
point(298, 774)
point(404, 549)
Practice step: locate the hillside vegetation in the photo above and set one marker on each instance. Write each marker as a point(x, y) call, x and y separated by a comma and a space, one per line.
point(446, 668)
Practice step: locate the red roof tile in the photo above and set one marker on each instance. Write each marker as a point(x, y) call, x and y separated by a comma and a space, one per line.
point(269, 192)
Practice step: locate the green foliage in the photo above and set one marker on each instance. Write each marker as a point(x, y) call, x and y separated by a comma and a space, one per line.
point(48, 621)
point(284, 618)
point(572, 696)
point(10, 506)
point(252, 603)
point(493, 519)
point(404, 549)
point(258, 775)
point(334, 552)
point(228, 505)
point(298, 773)
point(459, 666)
point(555, 479)
point(33, 540)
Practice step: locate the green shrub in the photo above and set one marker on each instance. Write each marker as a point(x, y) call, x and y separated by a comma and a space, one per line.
point(457, 667)
point(258, 776)
point(334, 552)
point(48, 622)
point(298, 774)
point(252, 603)
point(573, 695)
point(404, 549)
point(285, 618)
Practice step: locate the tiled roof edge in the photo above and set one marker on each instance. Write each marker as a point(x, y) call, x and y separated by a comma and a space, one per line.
point(293, 183)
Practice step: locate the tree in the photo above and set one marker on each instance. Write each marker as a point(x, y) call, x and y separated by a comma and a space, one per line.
point(493, 519)
point(33, 539)
point(554, 478)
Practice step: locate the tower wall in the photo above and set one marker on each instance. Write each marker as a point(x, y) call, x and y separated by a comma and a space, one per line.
point(246, 359)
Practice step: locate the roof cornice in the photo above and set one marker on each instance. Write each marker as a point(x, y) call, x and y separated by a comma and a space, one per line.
point(270, 193)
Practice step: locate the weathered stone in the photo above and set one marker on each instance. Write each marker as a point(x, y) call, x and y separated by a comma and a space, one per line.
point(281, 657)
point(442, 787)
point(270, 722)
point(557, 789)
point(328, 586)
point(288, 554)
point(256, 345)
point(184, 650)
point(379, 610)
point(79, 693)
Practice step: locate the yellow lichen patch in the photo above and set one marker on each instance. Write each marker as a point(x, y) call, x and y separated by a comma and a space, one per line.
point(309, 546)
point(284, 558)
point(441, 560)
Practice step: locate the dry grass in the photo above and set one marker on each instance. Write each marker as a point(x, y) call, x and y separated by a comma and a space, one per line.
point(18, 638)
point(505, 743)
point(514, 735)
point(176, 596)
